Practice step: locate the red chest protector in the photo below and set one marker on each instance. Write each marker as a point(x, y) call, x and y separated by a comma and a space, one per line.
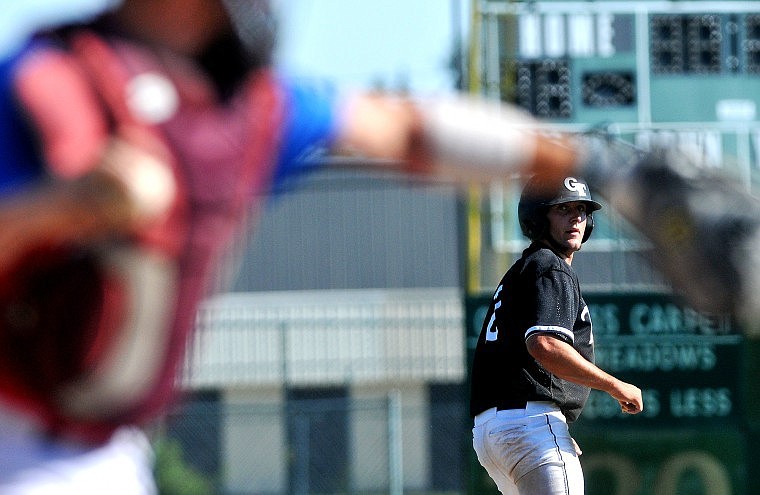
point(99, 336)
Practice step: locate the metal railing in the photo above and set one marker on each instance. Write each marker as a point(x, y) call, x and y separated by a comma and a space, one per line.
point(297, 338)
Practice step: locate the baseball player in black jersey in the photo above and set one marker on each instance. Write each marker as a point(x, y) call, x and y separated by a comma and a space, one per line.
point(533, 366)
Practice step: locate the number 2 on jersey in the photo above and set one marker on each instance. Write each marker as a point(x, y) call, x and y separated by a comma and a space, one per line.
point(492, 331)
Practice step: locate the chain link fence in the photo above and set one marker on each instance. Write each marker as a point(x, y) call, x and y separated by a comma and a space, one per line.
point(335, 445)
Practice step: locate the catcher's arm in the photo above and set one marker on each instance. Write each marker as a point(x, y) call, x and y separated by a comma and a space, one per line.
point(128, 190)
point(454, 138)
point(705, 229)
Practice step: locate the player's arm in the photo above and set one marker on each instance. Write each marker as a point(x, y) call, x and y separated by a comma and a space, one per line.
point(458, 138)
point(562, 360)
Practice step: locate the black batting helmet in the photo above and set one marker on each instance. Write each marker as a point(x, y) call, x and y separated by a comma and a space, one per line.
point(540, 193)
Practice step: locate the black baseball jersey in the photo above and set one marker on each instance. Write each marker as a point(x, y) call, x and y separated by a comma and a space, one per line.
point(539, 294)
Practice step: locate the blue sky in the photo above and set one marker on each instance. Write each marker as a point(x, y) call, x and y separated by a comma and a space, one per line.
point(351, 43)
point(396, 42)
point(17, 17)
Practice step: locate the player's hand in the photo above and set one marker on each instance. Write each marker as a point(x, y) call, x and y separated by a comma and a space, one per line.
point(145, 179)
point(629, 397)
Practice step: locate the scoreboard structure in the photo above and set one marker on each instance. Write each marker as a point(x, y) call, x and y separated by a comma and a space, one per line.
point(674, 70)
point(685, 72)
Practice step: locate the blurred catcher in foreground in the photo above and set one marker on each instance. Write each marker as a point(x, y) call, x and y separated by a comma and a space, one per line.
point(133, 148)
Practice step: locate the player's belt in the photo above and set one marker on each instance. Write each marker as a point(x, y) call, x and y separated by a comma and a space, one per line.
point(531, 408)
point(505, 404)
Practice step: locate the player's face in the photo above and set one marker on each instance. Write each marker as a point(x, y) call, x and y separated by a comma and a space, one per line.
point(567, 224)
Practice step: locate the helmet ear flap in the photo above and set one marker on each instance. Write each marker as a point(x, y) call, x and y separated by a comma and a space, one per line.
point(589, 227)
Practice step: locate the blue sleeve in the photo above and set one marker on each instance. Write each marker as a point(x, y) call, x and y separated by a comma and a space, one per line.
point(19, 161)
point(309, 128)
